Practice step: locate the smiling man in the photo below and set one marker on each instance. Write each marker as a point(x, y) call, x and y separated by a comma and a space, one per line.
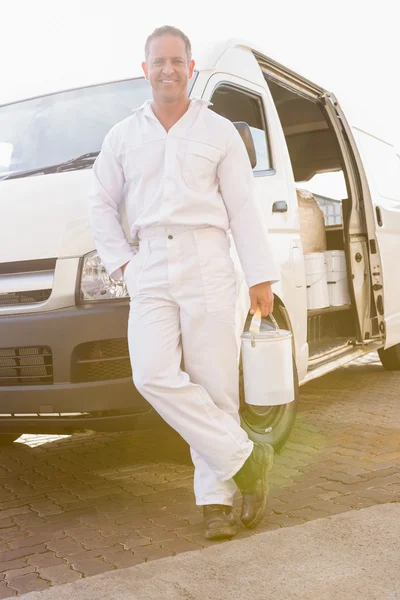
point(185, 178)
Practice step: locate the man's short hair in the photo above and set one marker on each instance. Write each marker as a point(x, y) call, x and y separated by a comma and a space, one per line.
point(168, 30)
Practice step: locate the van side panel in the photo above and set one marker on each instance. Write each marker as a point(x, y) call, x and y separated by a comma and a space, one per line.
point(382, 170)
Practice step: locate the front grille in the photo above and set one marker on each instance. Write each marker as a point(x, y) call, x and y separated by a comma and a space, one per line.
point(14, 298)
point(28, 266)
point(31, 365)
point(101, 360)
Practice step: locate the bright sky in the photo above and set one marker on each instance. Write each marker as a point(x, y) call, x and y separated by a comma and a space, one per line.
point(350, 47)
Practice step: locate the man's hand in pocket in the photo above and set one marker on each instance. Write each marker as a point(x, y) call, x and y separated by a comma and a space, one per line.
point(123, 268)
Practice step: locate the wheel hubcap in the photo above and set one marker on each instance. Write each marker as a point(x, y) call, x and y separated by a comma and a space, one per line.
point(262, 419)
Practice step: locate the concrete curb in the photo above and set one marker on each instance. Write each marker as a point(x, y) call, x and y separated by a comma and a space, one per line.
point(348, 556)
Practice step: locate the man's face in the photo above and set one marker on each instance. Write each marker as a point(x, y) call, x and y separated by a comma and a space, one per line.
point(167, 68)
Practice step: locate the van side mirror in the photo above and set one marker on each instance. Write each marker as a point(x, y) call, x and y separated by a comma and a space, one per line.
point(247, 138)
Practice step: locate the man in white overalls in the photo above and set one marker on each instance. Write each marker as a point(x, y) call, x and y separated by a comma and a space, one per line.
point(185, 178)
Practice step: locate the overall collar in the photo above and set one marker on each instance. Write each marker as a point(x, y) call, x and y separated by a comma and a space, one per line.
point(147, 111)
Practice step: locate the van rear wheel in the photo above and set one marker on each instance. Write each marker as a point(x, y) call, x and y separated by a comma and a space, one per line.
point(268, 424)
point(390, 358)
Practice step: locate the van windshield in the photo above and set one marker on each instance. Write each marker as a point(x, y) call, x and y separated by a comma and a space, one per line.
point(40, 134)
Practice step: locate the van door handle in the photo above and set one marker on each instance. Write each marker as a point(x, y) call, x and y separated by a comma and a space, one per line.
point(279, 207)
point(378, 216)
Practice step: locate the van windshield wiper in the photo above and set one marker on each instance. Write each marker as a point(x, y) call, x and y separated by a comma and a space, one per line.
point(80, 162)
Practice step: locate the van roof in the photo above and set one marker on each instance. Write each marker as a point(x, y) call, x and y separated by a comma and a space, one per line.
point(207, 58)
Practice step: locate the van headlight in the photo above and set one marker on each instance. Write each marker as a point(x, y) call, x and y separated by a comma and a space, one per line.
point(96, 284)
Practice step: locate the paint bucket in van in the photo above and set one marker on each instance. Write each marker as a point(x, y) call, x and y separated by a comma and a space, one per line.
point(317, 285)
point(337, 278)
point(267, 363)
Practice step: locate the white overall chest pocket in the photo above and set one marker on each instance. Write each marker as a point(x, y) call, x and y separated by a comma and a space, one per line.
point(200, 165)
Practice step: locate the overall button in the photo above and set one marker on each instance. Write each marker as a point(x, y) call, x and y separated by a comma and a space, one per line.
point(170, 237)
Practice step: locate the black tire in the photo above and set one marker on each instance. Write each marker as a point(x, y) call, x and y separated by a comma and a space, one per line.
point(8, 438)
point(390, 358)
point(277, 420)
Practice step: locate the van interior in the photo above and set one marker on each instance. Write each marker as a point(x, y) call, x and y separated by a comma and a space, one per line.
point(314, 150)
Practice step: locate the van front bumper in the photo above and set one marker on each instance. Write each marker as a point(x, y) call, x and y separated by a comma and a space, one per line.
point(68, 370)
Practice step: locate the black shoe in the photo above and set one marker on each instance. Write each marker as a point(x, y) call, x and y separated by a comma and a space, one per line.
point(252, 480)
point(219, 522)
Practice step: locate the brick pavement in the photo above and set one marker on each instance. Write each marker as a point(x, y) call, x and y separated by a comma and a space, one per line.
point(72, 507)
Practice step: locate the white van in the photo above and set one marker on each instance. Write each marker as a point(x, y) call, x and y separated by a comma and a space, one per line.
point(64, 362)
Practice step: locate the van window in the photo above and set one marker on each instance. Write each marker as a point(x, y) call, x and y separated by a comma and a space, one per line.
point(55, 128)
point(237, 104)
point(52, 129)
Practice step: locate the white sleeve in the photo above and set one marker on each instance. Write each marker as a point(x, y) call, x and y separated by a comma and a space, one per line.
point(246, 219)
point(105, 198)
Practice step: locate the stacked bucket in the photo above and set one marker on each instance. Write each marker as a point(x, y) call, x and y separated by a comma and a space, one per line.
point(326, 278)
point(337, 278)
point(326, 274)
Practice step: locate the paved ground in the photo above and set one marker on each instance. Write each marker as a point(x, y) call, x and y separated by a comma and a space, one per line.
point(82, 505)
point(337, 560)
